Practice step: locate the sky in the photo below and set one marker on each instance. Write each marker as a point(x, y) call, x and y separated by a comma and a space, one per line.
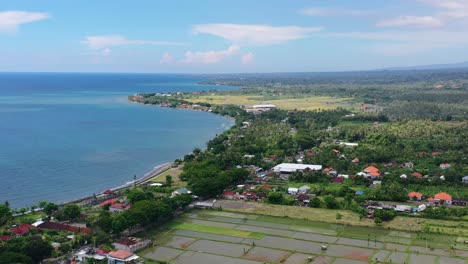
point(222, 36)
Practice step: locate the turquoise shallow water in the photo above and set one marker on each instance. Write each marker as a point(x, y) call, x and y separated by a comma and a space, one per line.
point(65, 136)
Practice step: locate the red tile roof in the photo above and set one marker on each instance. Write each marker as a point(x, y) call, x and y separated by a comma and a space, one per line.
point(338, 180)
point(120, 206)
point(5, 238)
point(121, 254)
point(64, 227)
point(355, 160)
point(414, 194)
point(417, 174)
point(127, 241)
point(108, 192)
point(110, 201)
point(102, 251)
point(21, 230)
point(443, 196)
point(229, 193)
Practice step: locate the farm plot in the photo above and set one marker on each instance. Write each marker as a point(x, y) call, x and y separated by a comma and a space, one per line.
point(211, 237)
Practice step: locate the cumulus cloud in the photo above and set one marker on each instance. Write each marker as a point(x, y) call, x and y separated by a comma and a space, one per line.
point(99, 42)
point(411, 21)
point(11, 20)
point(209, 57)
point(322, 11)
point(247, 58)
point(240, 34)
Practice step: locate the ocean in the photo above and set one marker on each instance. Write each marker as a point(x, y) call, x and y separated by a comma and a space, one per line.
point(65, 136)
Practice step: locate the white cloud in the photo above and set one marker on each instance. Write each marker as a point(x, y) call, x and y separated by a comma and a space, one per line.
point(322, 11)
point(411, 21)
point(99, 42)
point(11, 20)
point(239, 34)
point(209, 57)
point(106, 52)
point(247, 58)
point(449, 9)
point(402, 43)
point(166, 58)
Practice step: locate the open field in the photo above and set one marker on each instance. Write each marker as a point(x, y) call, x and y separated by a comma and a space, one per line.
point(212, 237)
point(307, 103)
point(348, 218)
point(175, 173)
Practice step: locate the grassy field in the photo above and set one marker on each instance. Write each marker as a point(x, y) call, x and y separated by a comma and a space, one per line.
point(175, 173)
point(402, 223)
point(307, 103)
point(199, 237)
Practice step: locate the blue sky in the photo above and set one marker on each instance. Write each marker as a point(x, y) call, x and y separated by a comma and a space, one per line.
point(214, 36)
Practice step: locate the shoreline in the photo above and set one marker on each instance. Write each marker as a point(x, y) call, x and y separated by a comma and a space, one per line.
point(153, 173)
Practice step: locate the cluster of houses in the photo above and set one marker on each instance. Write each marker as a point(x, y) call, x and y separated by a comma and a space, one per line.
point(441, 198)
point(118, 256)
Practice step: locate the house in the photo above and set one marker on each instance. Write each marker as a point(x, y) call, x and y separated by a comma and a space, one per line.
point(110, 202)
point(372, 172)
point(355, 160)
point(445, 166)
point(229, 195)
point(131, 244)
point(337, 180)
point(465, 179)
point(415, 195)
point(88, 253)
point(264, 107)
point(408, 165)
point(403, 176)
point(303, 198)
point(119, 207)
point(5, 238)
point(180, 191)
point(288, 168)
point(293, 191)
point(348, 144)
point(121, 257)
point(443, 198)
point(21, 230)
point(403, 208)
point(65, 227)
point(417, 175)
point(304, 189)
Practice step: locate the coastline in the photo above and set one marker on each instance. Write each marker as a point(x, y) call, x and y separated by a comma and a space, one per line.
point(153, 173)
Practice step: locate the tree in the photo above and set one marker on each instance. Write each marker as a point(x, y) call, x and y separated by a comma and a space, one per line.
point(275, 198)
point(71, 212)
point(5, 214)
point(315, 202)
point(169, 180)
point(119, 223)
point(49, 208)
point(14, 257)
point(37, 249)
point(331, 202)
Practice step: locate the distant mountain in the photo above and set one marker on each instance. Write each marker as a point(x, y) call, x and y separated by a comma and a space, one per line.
point(430, 67)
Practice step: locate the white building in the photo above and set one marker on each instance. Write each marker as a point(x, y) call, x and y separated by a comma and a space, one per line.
point(287, 168)
point(264, 107)
point(293, 191)
point(121, 257)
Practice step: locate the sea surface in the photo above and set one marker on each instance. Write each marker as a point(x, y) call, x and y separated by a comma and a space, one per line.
point(66, 136)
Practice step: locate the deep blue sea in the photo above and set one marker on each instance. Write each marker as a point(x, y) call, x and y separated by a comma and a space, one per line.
point(65, 136)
